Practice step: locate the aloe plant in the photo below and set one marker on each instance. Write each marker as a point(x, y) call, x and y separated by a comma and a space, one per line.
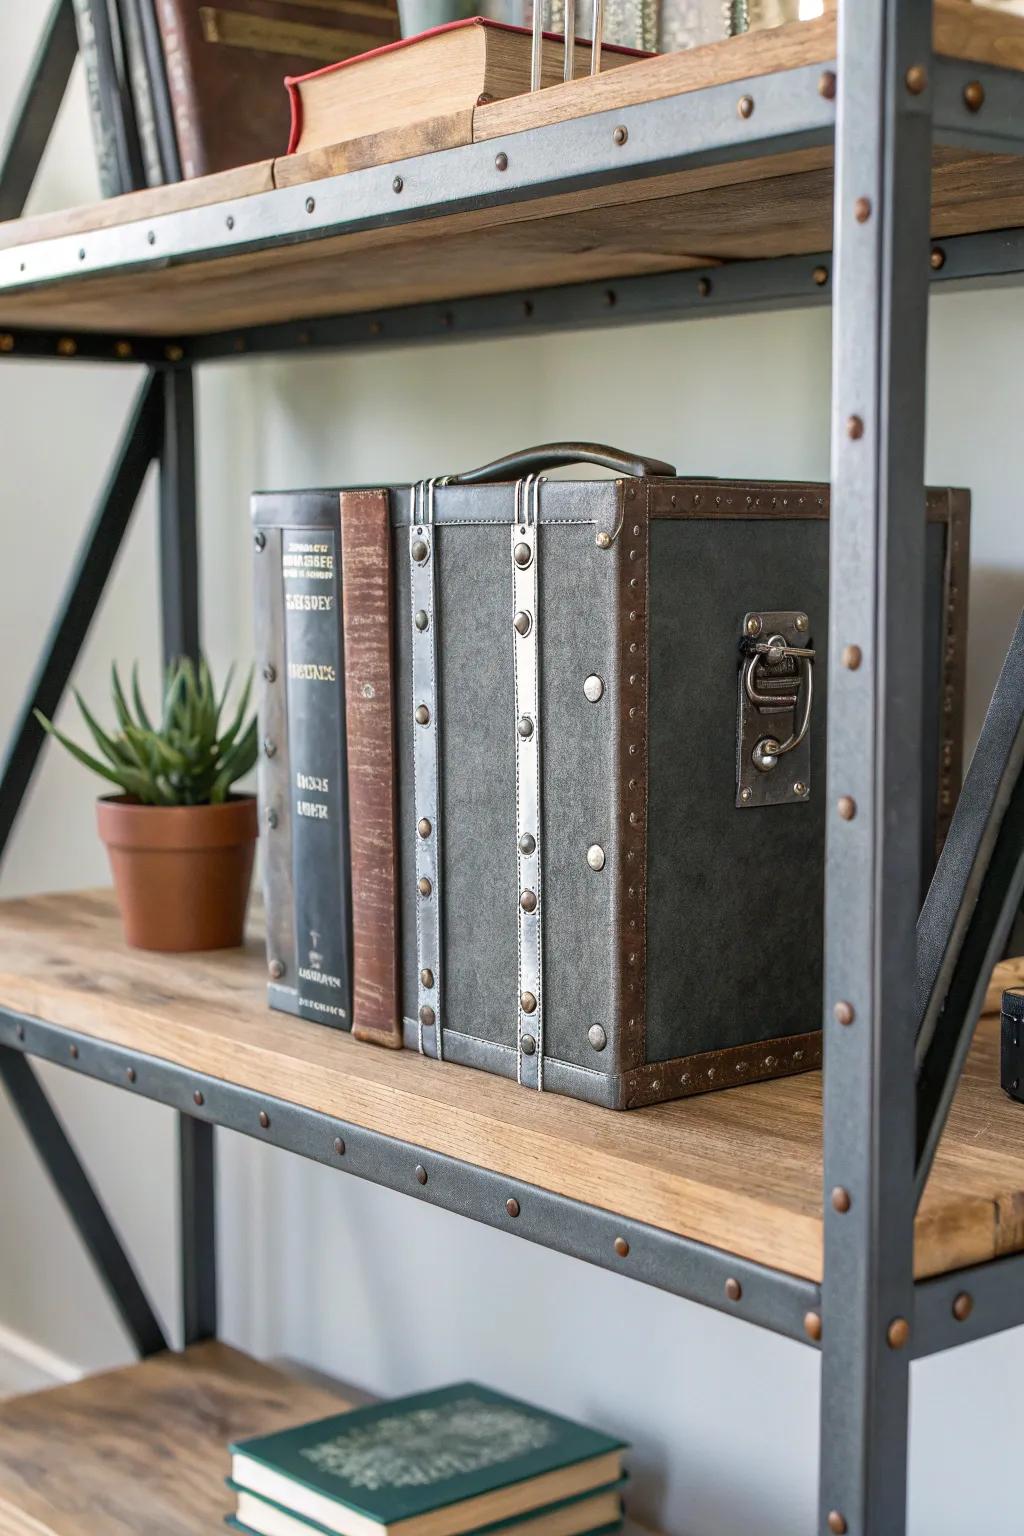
point(188, 759)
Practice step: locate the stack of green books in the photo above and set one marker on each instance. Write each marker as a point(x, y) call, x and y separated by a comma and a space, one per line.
point(460, 1461)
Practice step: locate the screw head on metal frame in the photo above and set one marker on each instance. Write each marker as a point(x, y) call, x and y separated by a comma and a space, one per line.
point(799, 789)
point(746, 795)
point(621, 134)
point(963, 1306)
point(812, 1325)
point(841, 1201)
point(898, 1333)
point(397, 184)
point(916, 79)
point(753, 625)
point(528, 1002)
point(847, 807)
point(424, 886)
point(974, 96)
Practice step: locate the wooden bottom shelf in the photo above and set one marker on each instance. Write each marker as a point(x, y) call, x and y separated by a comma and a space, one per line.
point(141, 1451)
point(740, 1170)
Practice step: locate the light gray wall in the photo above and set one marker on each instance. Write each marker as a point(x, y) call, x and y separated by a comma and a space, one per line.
point(355, 1280)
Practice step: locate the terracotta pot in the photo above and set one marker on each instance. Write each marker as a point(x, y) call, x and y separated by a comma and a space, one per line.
point(181, 872)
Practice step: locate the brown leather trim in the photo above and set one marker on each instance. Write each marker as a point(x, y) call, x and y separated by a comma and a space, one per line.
point(369, 712)
point(632, 550)
point(957, 508)
point(762, 498)
point(685, 1076)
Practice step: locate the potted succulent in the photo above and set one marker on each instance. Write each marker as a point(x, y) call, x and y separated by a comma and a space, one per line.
point(180, 844)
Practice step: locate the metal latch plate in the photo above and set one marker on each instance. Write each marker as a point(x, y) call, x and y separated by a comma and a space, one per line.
point(790, 780)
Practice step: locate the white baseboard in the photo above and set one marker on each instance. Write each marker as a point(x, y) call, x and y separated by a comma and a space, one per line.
point(26, 1366)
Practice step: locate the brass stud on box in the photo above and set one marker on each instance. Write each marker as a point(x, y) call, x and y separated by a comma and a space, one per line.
point(423, 827)
point(595, 857)
point(427, 1016)
point(621, 1247)
point(422, 715)
point(424, 886)
point(527, 1002)
point(733, 1289)
point(528, 1045)
point(597, 1037)
point(512, 1206)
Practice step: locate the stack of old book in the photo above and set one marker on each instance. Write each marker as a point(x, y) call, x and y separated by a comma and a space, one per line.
point(452, 1462)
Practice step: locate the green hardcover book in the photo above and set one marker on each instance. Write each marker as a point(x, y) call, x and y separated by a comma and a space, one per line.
point(440, 1463)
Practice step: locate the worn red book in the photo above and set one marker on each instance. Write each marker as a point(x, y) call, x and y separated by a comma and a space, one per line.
point(446, 70)
point(225, 64)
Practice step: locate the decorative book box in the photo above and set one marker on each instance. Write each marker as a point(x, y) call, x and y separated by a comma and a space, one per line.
point(609, 718)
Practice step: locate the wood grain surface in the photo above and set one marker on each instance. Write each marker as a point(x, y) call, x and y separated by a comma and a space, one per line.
point(141, 1451)
point(740, 1169)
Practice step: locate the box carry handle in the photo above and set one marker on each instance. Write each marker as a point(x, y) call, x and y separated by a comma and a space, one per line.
point(534, 461)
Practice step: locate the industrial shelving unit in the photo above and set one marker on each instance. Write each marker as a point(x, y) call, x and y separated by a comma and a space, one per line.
point(691, 184)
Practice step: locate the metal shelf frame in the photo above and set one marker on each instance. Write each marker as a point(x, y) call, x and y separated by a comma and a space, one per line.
point(884, 103)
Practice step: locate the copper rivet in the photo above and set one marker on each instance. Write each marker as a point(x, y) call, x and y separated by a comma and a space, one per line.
point(197, 1098)
point(528, 1003)
point(422, 715)
point(525, 727)
point(264, 1119)
point(397, 184)
point(74, 1053)
point(974, 96)
point(422, 619)
point(745, 106)
point(276, 969)
point(512, 1206)
point(427, 1017)
point(421, 1174)
point(528, 901)
point(621, 1247)
point(424, 886)
point(812, 1325)
point(339, 1146)
point(527, 845)
point(753, 625)
point(704, 286)
point(836, 1523)
point(898, 1333)
point(67, 347)
point(938, 258)
point(595, 857)
point(528, 1045)
point(621, 134)
point(130, 1074)
point(852, 657)
point(844, 1013)
point(855, 428)
point(423, 827)
point(820, 275)
point(522, 623)
point(917, 79)
point(963, 1306)
point(420, 551)
point(426, 978)
point(862, 210)
point(7, 342)
point(604, 541)
point(501, 161)
point(847, 807)
point(841, 1200)
point(522, 555)
point(597, 1037)
point(733, 1289)
point(827, 85)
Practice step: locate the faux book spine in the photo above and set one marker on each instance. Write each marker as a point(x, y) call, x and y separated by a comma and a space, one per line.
point(303, 774)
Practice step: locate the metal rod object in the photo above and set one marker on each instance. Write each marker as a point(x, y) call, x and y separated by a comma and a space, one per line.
point(198, 1230)
point(179, 550)
point(88, 580)
point(569, 40)
point(537, 46)
point(36, 109)
point(81, 1202)
point(883, 154)
point(596, 36)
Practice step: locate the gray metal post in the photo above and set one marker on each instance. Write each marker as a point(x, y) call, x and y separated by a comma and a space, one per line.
point(883, 146)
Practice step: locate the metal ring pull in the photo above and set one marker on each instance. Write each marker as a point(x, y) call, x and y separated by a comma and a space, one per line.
point(768, 750)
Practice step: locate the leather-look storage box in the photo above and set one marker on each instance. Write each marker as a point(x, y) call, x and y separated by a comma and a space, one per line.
point(607, 709)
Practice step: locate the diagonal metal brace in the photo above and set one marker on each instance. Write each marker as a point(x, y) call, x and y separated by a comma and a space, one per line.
point(37, 108)
point(140, 445)
point(81, 1202)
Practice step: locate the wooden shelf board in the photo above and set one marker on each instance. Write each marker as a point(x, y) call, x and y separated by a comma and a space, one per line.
point(141, 1451)
point(779, 205)
point(740, 1170)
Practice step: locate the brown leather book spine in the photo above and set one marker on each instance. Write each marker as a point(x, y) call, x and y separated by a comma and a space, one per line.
point(367, 609)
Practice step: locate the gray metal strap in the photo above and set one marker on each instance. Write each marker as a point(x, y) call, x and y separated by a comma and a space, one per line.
point(525, 635)
point(426, 766)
